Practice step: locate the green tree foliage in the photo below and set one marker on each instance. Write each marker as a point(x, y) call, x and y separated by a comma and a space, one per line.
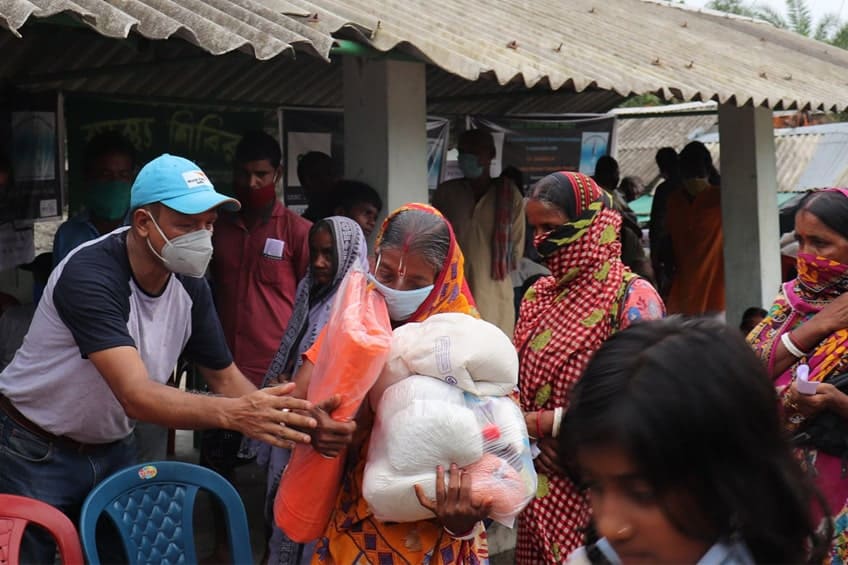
point(797, 18)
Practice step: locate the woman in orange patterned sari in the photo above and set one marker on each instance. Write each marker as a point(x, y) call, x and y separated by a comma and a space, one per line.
point(419, 270)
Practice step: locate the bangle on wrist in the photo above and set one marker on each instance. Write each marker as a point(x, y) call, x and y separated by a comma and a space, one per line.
point(790, 346)
point(470, 534)
point(557, 421)
point(539, 424)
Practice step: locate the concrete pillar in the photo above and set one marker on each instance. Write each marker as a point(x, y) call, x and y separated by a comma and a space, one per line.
point(749, 208)
point(385, 115)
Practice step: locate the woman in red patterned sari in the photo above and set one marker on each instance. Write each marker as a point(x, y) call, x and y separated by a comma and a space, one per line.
point(564, 319)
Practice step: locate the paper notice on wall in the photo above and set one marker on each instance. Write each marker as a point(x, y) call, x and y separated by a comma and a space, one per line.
point(34, 146)
point(496, 166)
point(594, 145)
point(17, 245)
point(301, 143)
point(48, 208)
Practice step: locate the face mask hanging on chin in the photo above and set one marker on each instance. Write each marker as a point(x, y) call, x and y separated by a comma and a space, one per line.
point(401, 304)
point(188, 254)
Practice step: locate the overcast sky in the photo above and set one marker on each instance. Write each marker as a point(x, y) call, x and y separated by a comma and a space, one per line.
point(817, 7)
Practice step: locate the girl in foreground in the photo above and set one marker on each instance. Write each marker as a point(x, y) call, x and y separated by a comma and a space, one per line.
point(674, 433)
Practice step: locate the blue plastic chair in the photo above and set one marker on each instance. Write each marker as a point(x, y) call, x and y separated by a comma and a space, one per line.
point(152, 506)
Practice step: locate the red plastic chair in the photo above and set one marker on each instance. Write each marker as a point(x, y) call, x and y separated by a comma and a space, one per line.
point(18, 511)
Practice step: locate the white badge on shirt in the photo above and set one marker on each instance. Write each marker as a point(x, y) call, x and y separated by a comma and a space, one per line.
point(274, 248)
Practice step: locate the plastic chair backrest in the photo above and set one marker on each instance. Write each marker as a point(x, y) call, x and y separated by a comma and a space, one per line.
point(18, 511)
point(152, 507)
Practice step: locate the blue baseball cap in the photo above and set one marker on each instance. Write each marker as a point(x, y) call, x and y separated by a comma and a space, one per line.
point(180, 185)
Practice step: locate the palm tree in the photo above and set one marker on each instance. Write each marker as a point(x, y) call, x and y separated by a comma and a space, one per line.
point(798, 19)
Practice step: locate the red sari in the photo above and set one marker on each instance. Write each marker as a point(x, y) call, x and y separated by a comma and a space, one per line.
point(564, 319)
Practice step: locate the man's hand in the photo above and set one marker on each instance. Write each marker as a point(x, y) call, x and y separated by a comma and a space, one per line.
point(270, 415)
point(330, 437)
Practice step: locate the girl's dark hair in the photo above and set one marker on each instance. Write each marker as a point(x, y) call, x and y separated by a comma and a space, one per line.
point(830, 207)
point(555, 191)
point(692, 406)
point(417, 231)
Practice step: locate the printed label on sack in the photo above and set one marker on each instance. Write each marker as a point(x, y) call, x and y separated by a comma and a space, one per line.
point(442, 351)
point(147, 472)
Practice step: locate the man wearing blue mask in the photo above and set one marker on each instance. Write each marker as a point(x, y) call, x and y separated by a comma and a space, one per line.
point(488, 218)
point(109, 168)
point(116, 314)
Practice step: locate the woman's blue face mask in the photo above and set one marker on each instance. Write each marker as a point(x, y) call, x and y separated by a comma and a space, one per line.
point(401, 304)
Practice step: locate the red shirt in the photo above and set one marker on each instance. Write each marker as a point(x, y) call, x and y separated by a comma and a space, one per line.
point(255, 292)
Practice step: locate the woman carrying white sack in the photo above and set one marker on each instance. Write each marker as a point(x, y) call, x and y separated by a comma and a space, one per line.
point(443, 398)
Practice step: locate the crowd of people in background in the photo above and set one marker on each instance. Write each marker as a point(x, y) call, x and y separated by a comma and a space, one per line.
point(657, 440)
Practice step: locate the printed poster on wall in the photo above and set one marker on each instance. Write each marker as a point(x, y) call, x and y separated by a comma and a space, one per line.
point(541, 145)
point(305, 131)
point(438, 136)
point(30, 131)
point(206, 135)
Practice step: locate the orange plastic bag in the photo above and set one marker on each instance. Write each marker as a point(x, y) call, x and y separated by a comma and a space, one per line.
point(355, 347)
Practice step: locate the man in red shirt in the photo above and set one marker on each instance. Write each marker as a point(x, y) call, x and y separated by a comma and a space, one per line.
point(261, 253)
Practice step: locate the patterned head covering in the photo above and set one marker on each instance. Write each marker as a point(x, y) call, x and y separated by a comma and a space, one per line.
point(450, 289)
point(311, 313)
point(588, 200)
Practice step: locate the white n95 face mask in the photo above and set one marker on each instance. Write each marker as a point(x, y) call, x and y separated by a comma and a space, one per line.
point(401, 304)
point(188, 254)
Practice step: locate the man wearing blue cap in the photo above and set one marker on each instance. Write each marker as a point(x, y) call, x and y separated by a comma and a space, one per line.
point(115, 315)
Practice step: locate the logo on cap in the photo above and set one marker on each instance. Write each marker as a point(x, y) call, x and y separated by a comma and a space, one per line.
point(196, 179)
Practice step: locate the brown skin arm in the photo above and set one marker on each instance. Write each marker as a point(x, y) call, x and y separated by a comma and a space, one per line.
point(257, 414)
point(330, 437)
point(807, 336)
point(454, 506)
point(548, 460)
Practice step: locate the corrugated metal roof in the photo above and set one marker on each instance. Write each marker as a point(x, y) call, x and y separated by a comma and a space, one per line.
point(265, 28)
point(78, 60)
point(622, 46)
